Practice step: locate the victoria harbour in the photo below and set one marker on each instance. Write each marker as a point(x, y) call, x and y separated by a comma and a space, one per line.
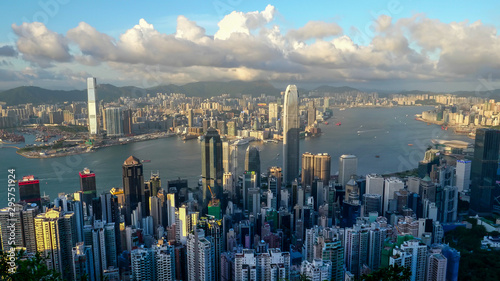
point(385, 140)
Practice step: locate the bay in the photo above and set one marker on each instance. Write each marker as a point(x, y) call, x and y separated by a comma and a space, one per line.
point(364, 132)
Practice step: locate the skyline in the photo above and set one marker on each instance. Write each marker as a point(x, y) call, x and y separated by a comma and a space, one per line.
point(424, 46)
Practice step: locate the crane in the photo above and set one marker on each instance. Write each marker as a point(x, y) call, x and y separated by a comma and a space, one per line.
point(214, 201)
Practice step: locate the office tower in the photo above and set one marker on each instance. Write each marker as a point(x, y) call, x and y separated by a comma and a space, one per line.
point(28, 214)
point(315, 166)
point(133, 187)
point(200, 257)
point(356, 249)
point(11, 216)
point(142, 264)
point(351, 209)
point(231, 128)
point(291, 128)
point(154, 183)
point(317, 270)
point(87, 187)
point(436, 266)
point(101, 236)
point(271, 265)
point(83, 263)
point(333, 251)
point(170, 209)
point(391, 185)
point(229, 157)
point(463, 175)
point(211, 167)
point(427, 189)
point(156, 211)
point(252, 162)
point(376, 237)
point(29, 190)
point(348, 166)
point(485, 193)
point(165, 262)
point(228, 184)
point(127, 121)
point(413, 184)
point(311, 114)
point(273, 113)
point(213, 228)
point(374, 184)
point(55, 238)
point(372, 203)
point(114, 123)
point(453, 261)
point(249, 183)
point(449, 205)
point(190, 117)
point(92, 104)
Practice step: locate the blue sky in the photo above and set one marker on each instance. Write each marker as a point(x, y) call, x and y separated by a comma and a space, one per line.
point(447, 45)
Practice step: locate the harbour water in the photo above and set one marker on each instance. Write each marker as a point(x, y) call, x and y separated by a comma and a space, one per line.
point(392, 134)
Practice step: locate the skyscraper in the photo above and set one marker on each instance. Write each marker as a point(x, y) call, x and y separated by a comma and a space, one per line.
point(114, 123)
point(92, 104)
point(348, 166)
point(29, 190)
point(55, 238)
point(200, 257)
point(315, 166)
point(311, 113)
point(463, 174)
point(127, 121)
point(485, 192)
point(133, 187)
point(291, 128)
point(87, 186)
point(252, 162)
point(211, 166)
point(273, 113)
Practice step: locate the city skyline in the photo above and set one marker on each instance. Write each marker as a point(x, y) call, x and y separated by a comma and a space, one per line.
point(398, 45)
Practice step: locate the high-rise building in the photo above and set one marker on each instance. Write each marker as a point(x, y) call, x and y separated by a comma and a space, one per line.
point(372, 203)
point(83, 263)
point(55, 239)
point(375, 184)
point(114, 123)
point(348, 167)
point(291, 128)
point(200, 257)
point(317, 270)
point(101, 237)
point(412, 254)
point(165, 262)
point(311, 114)
point(449, 205)
point(29, 190)
point(270, 265)
point(22, 217)
point(273, 113)
point(211, 167)
point(391, 185)
point(142, 264)
point(190, 117)
point(127, 121)
point(356, 249)
point(463, 174)
point(87, 187)
point(315, 166)
point(436, 266)
point(133, 187)
point(252, 162)
point(92, 106)
point(485, 192)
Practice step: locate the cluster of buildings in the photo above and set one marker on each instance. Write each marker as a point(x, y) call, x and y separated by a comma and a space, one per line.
point(269, 223)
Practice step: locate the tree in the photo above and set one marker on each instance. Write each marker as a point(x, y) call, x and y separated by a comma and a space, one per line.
point(391, 273)
point(28, 268)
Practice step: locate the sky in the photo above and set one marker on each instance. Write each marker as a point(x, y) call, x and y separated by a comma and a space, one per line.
point(391, 45)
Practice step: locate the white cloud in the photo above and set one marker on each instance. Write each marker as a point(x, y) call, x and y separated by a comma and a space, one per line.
point(239, 22)
point(41, 46)
point(316, 30)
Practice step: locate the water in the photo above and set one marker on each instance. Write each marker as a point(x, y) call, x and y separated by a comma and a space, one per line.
point(365, 132)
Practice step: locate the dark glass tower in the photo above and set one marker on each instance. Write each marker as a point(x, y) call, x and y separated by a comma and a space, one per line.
point(252, 162)
point(29, 190)
point(211, 167)
point(133, 187)
point(291, 130)
point(485, 172)
point(87, 186)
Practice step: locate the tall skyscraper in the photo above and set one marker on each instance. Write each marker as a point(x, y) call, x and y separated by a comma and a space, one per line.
point(485, 178)
point(87, 187)
point(200, 257)
point(133, 187)
point(92, 106)
point(291, 128)
point(55, 238)
point(127, 121)
point(114, 123)
point(315, 166)
point(390, 187)
point(142, 264)
point(374, 184)
point(29, 190)
point(436, 265)
point(348, 166)
point(211, 167)
point(252, 162)
point(83, 263)
point(273, 113)
point(463, 174)
point(311, 113)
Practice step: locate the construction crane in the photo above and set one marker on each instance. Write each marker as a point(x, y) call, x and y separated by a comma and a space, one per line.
point(214, 201)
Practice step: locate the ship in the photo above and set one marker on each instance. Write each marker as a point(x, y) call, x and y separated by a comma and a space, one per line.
point(326, 123)
point(338, 124)
point(146, 161)
point(243, 141)
point(188, 137)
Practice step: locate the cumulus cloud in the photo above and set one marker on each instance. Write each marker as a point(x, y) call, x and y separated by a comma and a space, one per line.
point(41, 46)
point(8, 51)
point(315, 29)
point(252, 46)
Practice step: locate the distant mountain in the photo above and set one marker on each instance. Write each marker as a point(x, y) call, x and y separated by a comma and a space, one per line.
point(331, 90)
point(107, 92)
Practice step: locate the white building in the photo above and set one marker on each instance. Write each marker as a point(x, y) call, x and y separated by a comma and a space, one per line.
point(348, 166)
point(142, 264)
point(200, 257)
point(374, 184)
point(463, 174)
point(391, 185)
point(318, 270)
point(92, 106)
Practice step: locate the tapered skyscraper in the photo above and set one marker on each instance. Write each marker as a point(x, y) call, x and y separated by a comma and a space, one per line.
point(291, 129)
point(211, 166)
point(252, 162)
point(92, 104)
point(133, 187)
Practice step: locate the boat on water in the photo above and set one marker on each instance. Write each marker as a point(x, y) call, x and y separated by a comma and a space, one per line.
point(338, 124)
point(326, 123)
point(342, 109)
point(410, 144)
point(145, 161)
point(377, 156)
point(243, 141)
point(188, 137)
point(200, 138)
